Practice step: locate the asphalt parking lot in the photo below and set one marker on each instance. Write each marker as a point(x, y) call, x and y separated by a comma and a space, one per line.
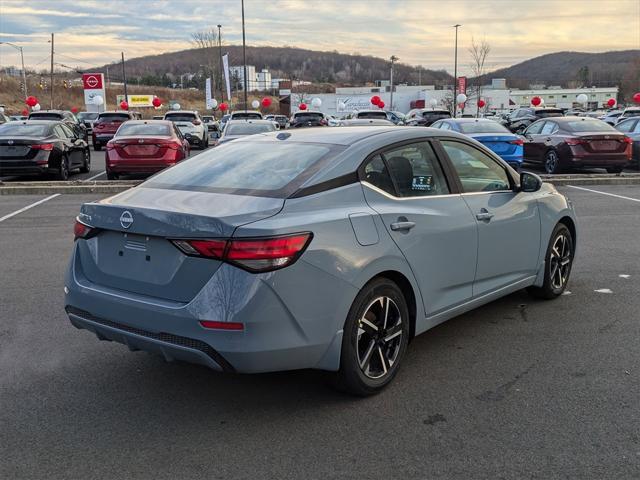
point(520, 388)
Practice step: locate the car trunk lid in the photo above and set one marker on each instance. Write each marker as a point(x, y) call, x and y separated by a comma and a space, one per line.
point(500, 144)
point(595, 142)
point(132, 250)
point(19, 148)
point(136, 147)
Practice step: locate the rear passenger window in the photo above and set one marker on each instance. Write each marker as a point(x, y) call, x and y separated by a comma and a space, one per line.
point(477, 171)
point(415, 170)
point(549, 128)
point(376, 173)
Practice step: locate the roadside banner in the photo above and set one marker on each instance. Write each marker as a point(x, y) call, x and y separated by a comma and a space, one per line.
point(462, 85)
point(137, 100)
point(207, 94)
point(225, 65)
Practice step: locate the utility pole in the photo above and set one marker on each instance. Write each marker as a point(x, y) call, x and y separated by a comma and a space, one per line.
point(24, 72)
point(220, 66)
point(244, 59)
point(393, 59)
point(52, 71)
point(108, 83)
point(455, 73)
point(124, 79)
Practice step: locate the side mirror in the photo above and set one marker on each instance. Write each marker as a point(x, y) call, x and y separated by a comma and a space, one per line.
point(530, 182)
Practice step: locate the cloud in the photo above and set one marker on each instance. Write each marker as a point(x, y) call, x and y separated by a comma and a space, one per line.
point(417, 31)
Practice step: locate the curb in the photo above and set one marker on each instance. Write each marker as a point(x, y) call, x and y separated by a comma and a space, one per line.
point(109, 187)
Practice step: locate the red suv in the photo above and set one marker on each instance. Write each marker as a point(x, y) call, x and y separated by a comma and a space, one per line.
point(106, 125)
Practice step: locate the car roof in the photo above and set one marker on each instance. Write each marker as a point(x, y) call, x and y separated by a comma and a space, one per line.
point(62, 112)
point(466, 120)
point(151, 121)
point(365, 121)
point(245, 111)
point(250, 120)
point(37, 122)
point(193, 112)
point(115, 111)
point(434, 110)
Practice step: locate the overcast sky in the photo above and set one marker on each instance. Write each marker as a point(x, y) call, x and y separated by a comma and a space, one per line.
point(417, 31)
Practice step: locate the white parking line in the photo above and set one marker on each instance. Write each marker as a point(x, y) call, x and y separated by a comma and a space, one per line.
point(604, 193)
point(94, 177)
point(23, 209)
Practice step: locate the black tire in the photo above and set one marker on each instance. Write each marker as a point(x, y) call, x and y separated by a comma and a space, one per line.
point(552, 162)
point(112, 176)
point(205, 144)
point(615, 169)
point(97, 147)
point(63, 169)
point(86, 165)
point(362, 371)
point(556, 272)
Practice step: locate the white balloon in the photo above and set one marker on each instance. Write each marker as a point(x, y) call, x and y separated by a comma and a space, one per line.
point(255, 104)
point(176, 106)
point(316, 102)
point(541, 101)
point(214, 103)
point(433, 102)
point(98, 100)
point(1, 109)
point(461, 98)
point(582, 98)
point(36, 107)
point(342, 106)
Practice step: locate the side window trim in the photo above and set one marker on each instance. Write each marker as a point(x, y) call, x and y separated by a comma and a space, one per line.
point(513, 182)
point(452, 182)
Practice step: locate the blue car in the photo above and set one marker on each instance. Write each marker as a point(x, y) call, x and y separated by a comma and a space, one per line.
point(491, 134)
point(325, 248)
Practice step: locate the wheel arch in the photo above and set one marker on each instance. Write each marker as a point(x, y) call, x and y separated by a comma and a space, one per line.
point(407, 291)
point(571, 225)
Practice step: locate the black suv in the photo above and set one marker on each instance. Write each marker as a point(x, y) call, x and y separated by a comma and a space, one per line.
point(64, 116)
point(521, 118)
point(424, 117)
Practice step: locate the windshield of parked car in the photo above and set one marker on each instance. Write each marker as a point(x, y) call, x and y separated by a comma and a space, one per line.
point(589, 125)
point(488, 126)
point(632, 113)
point(87, 115)
point(113, 117)
point(46, 116)
point(180, 117)
point(246, 115)
point(308, 116)
point(549, 113)
point(248, 128)
point(22, 130)
point(381, 115)
point(271, 169)
point(131, 129)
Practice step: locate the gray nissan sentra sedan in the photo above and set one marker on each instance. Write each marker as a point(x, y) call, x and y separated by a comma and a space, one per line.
point(315, 248)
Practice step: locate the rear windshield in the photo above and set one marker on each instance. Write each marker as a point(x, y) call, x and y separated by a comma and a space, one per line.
point(135, 129)
point(113, 117)
point(632, 113)
point(207, 119)
point(22, 130)
point(548, 113)
point(268, 169)
point(180, 117)
point(372, 115)
point(589, 125)
point(87, 116)
point(46, 116)
point(436, 114)
point(248, 128)
point(482, 127)
point(250, 115)
point(308, 116)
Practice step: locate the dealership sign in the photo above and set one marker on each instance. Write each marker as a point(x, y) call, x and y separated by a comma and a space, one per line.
point(137, 100)
point(93, 84)
point(462, 84)
point(353, 102)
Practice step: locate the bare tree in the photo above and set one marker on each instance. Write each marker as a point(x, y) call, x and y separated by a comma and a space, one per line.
point(479, 53)
point(207, 41)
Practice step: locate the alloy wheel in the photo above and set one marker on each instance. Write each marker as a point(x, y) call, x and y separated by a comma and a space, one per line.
point(379, 337)
point(560, 261)
point(551, 162)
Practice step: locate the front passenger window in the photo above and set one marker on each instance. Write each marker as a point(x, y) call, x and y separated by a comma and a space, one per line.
point(477, 171)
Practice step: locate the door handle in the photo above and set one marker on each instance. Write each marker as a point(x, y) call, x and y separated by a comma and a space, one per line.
point(484, 215)
point(398, 226)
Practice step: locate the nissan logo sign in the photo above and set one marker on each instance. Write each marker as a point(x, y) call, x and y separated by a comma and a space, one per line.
point(126, 219)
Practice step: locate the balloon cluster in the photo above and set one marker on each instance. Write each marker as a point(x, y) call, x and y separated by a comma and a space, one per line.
point(31, 101)
point(535, 101)
point(124, 105)
point(377, 101)
point(156, 102)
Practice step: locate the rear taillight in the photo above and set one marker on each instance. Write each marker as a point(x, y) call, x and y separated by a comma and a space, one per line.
point(323, 122)
point(42, 146)
point(196, 122)
point(82, 230)
point(517, 141)
point(110, 146)
point(252, 254)
point(172, 145)
point(575, 141)
point(627, 140)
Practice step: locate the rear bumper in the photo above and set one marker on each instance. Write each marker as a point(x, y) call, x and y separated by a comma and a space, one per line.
point(30, 170)
point(599, 161)
point(193, 140)
point(137, 168)
point(103, 137)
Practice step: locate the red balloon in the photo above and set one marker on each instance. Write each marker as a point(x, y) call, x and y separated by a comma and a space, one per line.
point(223, 107)
point(266, 102)
point(381, 104)
point(74, 109)
point(31, 101)
point(636, 97)
point(303, 106)
point(375, 100)
point(25, 112)
point(156, 102)
point(481, 103)
point(611, 102)
point(124, 105)
point(535, 101)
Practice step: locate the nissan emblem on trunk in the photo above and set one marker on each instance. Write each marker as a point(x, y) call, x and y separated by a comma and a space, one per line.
point(126, 219)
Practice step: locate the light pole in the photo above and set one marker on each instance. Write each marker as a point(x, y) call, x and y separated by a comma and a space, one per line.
point(244, 59)
point(220, 66)
point(24, 72)
point(455, 73)
point(393, 59)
